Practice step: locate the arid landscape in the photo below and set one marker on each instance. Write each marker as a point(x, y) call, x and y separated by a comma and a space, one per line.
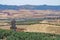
point(29, 20)
point(29, 13)
point(48, 21)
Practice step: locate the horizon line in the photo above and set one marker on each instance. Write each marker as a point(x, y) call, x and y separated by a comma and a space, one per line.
point(30, 4)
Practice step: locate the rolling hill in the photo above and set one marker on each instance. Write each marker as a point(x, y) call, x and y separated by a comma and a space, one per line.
point(29, 7)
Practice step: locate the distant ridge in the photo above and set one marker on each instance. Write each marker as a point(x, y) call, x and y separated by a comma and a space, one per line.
point(29, 7)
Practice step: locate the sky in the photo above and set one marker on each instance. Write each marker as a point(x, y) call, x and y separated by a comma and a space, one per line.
point(30, 2)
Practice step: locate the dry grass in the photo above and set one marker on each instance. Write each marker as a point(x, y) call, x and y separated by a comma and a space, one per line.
point(32, 14)
point(36, 28)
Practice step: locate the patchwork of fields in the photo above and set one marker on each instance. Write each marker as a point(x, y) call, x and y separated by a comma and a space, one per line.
point(32, 20)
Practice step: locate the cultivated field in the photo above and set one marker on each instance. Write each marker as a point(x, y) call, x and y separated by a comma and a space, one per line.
point(42, 27)
point(46, 25)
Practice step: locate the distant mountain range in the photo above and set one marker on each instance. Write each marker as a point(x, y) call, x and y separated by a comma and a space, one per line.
point(29, 7)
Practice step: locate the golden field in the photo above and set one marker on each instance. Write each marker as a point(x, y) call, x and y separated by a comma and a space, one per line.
point(47, 28)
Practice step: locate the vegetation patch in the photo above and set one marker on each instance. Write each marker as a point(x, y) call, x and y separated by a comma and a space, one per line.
point(12, 35)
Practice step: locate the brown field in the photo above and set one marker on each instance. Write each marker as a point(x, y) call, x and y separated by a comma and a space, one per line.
point(27, 13)
point(32, 14)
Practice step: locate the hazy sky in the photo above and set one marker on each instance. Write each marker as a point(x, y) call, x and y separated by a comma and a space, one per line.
point(31, 2)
